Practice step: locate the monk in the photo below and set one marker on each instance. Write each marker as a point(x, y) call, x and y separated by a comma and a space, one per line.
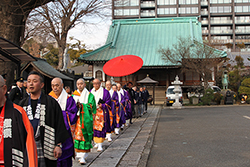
point(113, 104)
point(69, 111)
point(84, 125)
point(115, 99)
point(102, 119)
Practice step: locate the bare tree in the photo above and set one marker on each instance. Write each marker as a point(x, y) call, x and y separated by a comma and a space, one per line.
point(193, 57)
point(57, 18)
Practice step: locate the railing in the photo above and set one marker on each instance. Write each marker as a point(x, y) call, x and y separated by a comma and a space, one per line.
point(221, 21)
point(204, 12)
point(147, 14)
point(204, 22)
point(204, 3)
point(221, 31)
point(242, 31)
point(242, 21)
point(221, 41)
point(242, 40)
point(205, 31)
point(148, 4)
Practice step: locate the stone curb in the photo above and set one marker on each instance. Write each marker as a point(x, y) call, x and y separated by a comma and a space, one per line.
point(234, 105)
point(149, 144)
point(139, 149)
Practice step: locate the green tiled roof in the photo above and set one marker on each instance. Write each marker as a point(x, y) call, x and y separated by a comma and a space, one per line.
point(144, 37)
point(46, 69)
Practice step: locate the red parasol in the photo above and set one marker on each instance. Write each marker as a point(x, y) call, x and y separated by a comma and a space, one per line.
point(122, 65)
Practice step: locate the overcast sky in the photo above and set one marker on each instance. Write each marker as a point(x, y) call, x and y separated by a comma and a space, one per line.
point(93, 34)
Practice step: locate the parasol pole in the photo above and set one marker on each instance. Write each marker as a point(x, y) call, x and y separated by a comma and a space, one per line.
point(112, 80)
point(154, 94)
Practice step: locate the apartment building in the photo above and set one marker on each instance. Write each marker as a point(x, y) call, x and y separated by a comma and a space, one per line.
point(225, 23)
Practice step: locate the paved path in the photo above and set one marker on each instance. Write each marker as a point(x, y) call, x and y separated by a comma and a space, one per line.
point(130, 148)
point(202, 137)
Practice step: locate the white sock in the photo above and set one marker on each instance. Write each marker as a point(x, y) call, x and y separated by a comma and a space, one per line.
point(117, 130)
point(109, 137)
point(85, 155)
point(99, 147)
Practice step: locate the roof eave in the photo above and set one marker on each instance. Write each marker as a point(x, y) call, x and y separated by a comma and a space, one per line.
point(83, 56)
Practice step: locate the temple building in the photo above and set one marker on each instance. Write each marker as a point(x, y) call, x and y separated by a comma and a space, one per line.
point(143, 38)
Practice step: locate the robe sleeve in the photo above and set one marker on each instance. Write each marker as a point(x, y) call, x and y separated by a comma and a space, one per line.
point(106, 99)
point(61, 134)
point(116, 98)
point(72, 110)
point(92, 104)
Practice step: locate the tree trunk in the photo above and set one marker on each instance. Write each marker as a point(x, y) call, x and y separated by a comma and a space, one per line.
point(62, 42)
point(60, 58)
point(13, 16)
point(12, 27)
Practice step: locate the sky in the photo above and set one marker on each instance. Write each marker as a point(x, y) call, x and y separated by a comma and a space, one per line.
point(93, 34)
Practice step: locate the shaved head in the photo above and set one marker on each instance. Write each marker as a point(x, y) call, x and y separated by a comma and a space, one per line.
point(58, 80)
point(80, 80)
point(118, 86)
point(96, 83)
point(97, 80)
point(108, 85)
point(57, 86)
point(80, 84)
point(2, 82)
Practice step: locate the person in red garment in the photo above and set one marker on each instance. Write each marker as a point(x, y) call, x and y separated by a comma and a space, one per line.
point(17, 143)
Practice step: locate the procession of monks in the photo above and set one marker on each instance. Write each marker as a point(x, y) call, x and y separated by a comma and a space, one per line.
point(101, 111)
point(63, 125)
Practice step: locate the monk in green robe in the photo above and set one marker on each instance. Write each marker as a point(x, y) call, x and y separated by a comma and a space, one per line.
point(84, 125)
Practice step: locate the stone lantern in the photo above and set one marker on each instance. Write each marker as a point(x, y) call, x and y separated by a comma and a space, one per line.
point(177, 91)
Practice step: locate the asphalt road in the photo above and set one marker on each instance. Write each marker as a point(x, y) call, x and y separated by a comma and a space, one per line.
point(202, 137)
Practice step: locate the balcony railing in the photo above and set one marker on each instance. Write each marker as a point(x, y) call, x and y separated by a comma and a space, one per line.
point(221, 21)
point(242, 21)
point(221, 31)
point(204, 21)
point(147, 4)
point(242, 31)
point(204, 3)
point(204, 12)
point(147, 14)
point(205, 31)
point(242, 40)
point(221, 41)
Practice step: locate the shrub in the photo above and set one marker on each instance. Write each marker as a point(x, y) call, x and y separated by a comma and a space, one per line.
point(218, 97)
point(208, 97)
point(248, 101)
point(245, 87)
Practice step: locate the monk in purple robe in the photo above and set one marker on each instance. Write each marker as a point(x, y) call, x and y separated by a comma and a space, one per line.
point(101, 118)
point(69, 110)
point(123, 100)
point(112, 114)
point(117, 113)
